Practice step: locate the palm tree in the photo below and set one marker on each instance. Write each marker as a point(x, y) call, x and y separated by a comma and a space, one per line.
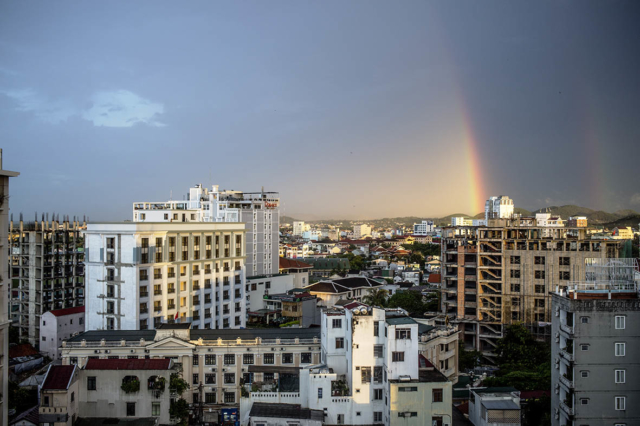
point(376, 297)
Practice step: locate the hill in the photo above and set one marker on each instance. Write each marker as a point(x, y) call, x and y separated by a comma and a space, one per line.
point(632, 221)
point(595, 217)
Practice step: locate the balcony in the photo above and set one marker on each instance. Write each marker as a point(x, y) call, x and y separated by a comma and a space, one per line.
point(569, 411)
point(157, 292)
point(565, 381)
point(144, 294)
point(144, 310)
point(171, 290)
point(567, 329)
point(169, 307)
point(566, 355)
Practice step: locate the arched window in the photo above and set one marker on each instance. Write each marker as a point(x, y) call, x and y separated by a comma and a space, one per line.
point(130, 384)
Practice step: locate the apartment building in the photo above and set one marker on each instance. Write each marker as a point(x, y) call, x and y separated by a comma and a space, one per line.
point(577, 222)
point(218, 364)
point(498, 207)
point(299, 227)
point(370, 373)
point(140, 275)
point(439, 345)
point(59, 325)
point(503, 273)
point(595, 347)
point(361, 231)
point(5, 175)
point(46, 261)
point(258, 210)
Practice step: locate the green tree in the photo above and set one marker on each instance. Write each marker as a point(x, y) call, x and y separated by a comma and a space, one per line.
point(376, 297)
point(177, 384)
point(179, 410)
point(468, 360)
point(410, 301)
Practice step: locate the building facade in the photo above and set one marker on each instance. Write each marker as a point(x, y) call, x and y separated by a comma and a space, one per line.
point(5, 284)
point(500, 207)
point(503, 273)
point(47, 269)
point(225, 362)
point(140, 275)
point(258, 210)
point(361, 231)
point(595, 347)
point(59, 325)
point(423, 228)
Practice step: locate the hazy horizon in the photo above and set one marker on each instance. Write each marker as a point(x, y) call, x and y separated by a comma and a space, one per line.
point(356, 109)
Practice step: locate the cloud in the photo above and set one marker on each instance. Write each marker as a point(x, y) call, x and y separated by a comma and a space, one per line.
point(122, 108)
point(52, 112)
point(119, 108)
point(635, 199)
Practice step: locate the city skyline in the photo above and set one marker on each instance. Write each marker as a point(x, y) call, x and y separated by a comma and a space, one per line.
point(347, 110)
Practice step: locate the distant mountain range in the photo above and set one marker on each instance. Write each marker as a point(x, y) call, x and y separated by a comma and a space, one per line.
point(595, 217)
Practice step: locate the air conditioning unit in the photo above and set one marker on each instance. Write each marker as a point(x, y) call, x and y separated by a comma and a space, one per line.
point(209, 350)
point(273, 349)
point(282, 349)
point(97, 351)
point(212, 369)
point(248, 349)
point(146, 351)
point(133, 351)
point(557, 312)
point(224, 369)
point(106, 351)
point(244, 369)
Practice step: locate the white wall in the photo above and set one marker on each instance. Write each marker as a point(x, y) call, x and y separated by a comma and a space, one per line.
point(53, 330)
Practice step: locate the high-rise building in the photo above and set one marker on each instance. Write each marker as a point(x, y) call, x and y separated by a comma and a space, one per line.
point(258, 210)
point(423, 228)
point(4, 291)
point(495, 275)
point(361, 231)
point(500, 207)
point(595, 347)
point(47, 270)
point(299, 228)
point(140, 275)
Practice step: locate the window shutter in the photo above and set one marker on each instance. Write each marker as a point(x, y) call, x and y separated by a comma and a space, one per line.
point(101, 254)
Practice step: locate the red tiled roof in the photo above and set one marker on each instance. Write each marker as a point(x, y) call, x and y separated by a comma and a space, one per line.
point(128, 364)
point(434, 279)
point(24, 349)
point(32, 415)
point(354, 305)
point(58, 377)
point(68, 311)
point(424, 362)
point(293, 264)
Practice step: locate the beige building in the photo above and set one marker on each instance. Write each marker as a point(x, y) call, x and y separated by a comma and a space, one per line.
point(623, 233)
point(439, 344)
point(504, 273)
point(223, 361)
point(4, 292)
point(59, 396)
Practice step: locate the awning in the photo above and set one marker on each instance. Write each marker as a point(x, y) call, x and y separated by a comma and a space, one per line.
point(273, 369)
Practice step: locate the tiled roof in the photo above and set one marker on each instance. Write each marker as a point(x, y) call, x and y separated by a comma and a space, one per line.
point(111, 335)
point(67, 311)
point(24, 349)
point(31, 415)
point(128, 364)
point(58, 377)
point(293, 264)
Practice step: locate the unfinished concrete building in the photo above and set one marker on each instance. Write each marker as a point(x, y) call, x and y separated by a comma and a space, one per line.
point(503, 273)
point(46, 262)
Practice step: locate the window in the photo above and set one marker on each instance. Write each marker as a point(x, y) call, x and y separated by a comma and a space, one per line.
point(337, 323)
point(209, 378)
point(229, 397)
point(339, 342)
point(538, 260)
point(397, 356)
point(229, 359)
point(539, 303)
point(584, 347)
point(365, 374)
point(515, 288)
point(247, 359)
point(515, 273)
point(565, 261)
point(620, 322)
point(287, 358)
point(403, 333)
point(73, 360)
point(377, 375)
point(378, 351)
point(229, 378)
point(539, 288)
point(377, 416)
point(268, 359)
point(46, 401)
point(564, 275)
point(131, 409)
point(377, 394)
point(621, 376)
point(515, 260)
point(408, 389)
point(196, 380)
point(584, 320)
point(437, 395)
point(91, 383)
point(408, 414)
point(620, 349)
point(155, 408)
point(305, 358)
point(621, 403)
point(539, 275)
point(44, 339)
point(584, 401)
point(210, 360)
point(584, 374)
point(196, 360)
point(376, 328)
point(319, 393)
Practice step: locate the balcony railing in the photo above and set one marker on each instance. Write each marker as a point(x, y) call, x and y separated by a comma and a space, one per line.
point(568, 383)
point(144, 294)
point(566, 328)
point(568, 410)
point(566, 355)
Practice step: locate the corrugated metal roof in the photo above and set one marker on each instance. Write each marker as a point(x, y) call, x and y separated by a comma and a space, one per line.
point(400, 320)
point(502, 404)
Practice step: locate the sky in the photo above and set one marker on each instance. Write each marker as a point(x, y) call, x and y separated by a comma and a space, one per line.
point(350, 109)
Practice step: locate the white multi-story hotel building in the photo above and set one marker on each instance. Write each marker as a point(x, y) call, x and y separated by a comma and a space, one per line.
point(500, 207)
point(140, 275)
point(259, 210)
